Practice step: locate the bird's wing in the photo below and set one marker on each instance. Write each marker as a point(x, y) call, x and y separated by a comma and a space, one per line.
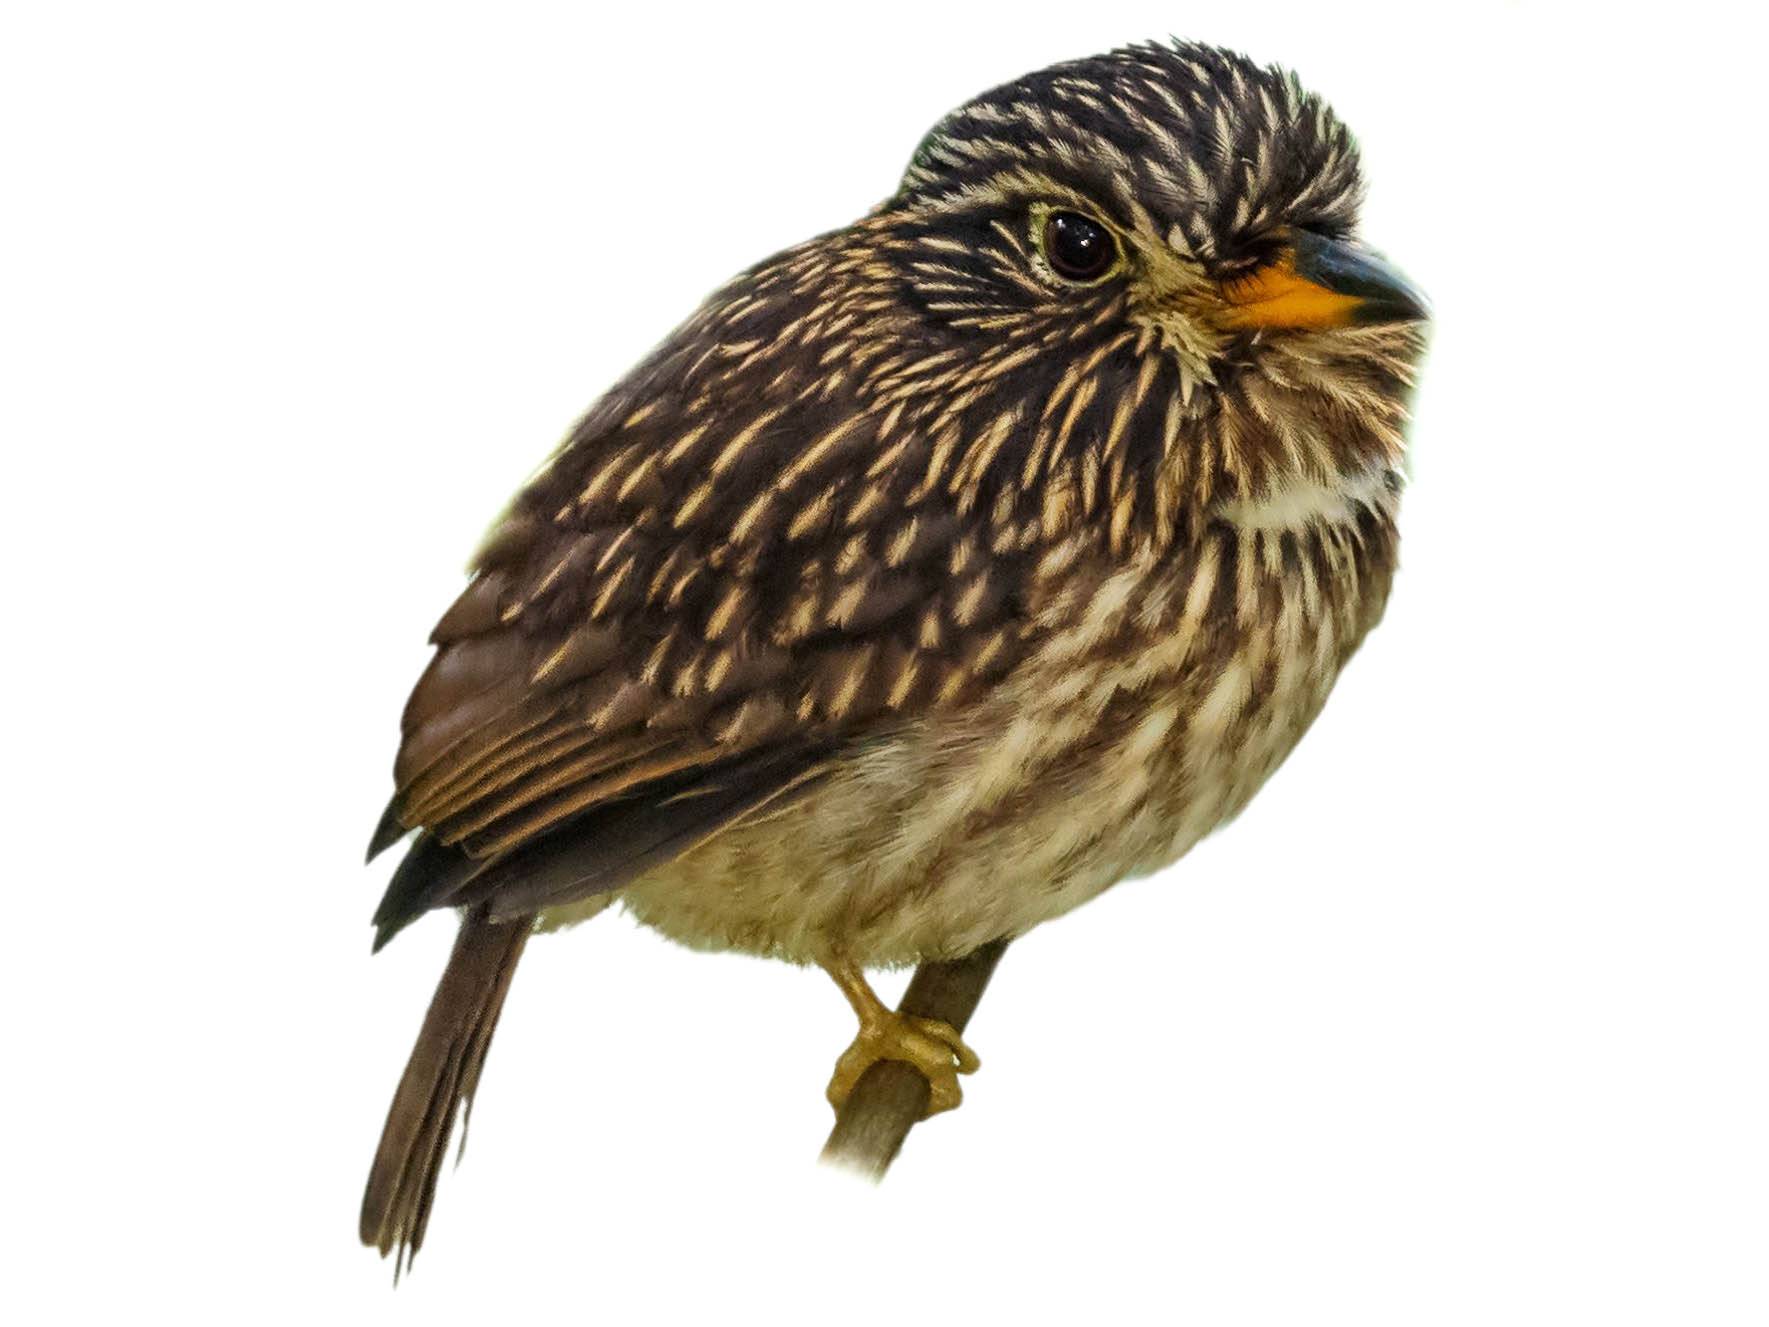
point(709, 592)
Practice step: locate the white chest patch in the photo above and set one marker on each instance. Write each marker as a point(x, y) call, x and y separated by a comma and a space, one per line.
point(1301, 503)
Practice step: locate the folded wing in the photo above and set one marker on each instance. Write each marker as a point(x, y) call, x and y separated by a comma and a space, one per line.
point(705, 598)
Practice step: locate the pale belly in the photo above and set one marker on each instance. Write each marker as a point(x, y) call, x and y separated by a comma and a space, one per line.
point(1083, 770)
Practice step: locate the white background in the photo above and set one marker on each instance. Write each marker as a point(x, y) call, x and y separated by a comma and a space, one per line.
point(1462, 1022)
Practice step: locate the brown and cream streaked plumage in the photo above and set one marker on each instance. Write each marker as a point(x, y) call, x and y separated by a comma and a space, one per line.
point(935, 575)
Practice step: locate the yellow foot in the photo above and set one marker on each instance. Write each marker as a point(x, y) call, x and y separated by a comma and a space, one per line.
point(933, 1048)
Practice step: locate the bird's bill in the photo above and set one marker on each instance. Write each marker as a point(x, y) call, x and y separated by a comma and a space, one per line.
point(1322, 283)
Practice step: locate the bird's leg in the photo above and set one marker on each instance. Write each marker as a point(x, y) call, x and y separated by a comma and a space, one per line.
point(932, 1047)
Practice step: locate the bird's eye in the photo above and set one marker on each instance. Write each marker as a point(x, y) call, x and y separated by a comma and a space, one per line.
point(1077, 247)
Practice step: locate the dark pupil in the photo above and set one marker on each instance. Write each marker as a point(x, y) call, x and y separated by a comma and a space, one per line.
point(1079, 249)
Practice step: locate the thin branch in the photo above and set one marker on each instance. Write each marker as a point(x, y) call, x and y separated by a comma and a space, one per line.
point(891, 1096)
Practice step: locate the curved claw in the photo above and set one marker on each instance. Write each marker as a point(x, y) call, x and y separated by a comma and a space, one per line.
point(929, 1046)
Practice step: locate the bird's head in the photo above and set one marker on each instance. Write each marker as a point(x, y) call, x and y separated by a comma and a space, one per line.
point(1156, 250)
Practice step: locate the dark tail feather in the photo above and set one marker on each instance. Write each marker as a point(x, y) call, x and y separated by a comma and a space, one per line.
point(439, 1079)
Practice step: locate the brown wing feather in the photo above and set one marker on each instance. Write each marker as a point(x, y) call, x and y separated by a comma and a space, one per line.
point(745, 558)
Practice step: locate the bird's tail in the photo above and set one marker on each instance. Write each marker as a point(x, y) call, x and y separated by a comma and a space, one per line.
point(439, 1079)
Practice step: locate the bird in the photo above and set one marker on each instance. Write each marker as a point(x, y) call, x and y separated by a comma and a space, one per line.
point(937, 574)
